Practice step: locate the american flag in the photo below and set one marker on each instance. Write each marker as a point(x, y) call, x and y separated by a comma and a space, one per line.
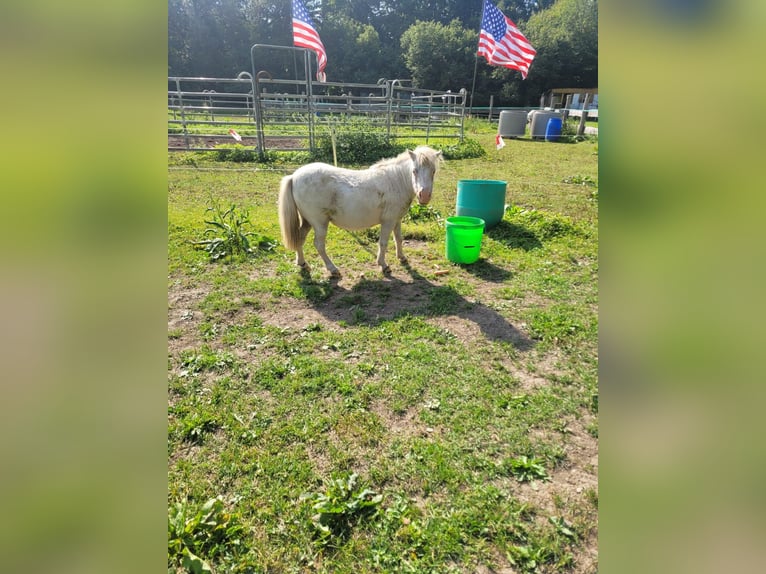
point(306, 36)
point(501, 42)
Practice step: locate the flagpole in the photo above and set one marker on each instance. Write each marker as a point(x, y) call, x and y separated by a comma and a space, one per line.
point(476, 63)
point(473, 85)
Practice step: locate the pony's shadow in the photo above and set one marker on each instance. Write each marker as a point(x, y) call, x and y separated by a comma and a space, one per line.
point(371, 302)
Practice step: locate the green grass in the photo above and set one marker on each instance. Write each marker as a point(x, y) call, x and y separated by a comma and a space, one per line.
point(422, 422)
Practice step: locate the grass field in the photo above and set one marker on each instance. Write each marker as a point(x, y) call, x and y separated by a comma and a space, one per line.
point(443, 418)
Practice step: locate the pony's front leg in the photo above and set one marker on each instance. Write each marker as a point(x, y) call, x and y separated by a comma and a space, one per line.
point(320, 236)
point(398, 242)
point(385, 233)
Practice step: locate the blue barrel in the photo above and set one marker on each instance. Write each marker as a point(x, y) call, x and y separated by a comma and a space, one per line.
point(482, 198)
point(553, 130)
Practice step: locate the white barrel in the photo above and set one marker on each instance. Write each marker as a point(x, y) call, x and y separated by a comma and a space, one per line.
point(539, 122)
point(513, 123)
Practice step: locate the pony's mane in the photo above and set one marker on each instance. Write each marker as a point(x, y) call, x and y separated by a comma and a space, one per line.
point(425, 154)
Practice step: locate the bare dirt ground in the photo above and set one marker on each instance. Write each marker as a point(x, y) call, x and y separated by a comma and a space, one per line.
point(178, 142)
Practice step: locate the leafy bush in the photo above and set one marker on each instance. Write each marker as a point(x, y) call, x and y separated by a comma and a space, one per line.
point(356, 142)
point(195, 534)
point(419, 212)
point(342, 506)
point(467, 149)
point(231, 234)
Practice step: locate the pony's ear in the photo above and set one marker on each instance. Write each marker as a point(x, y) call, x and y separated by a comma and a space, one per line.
point(413, 156)
point(439, 154)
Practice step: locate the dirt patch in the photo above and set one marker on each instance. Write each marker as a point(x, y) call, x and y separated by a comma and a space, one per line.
point(184, 318)
point(179, 142)
point(399, 425)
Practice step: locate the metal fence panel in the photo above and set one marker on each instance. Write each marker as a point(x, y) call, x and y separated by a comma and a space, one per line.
point(281, 114)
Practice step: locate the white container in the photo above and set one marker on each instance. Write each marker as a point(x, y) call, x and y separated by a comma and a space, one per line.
point(512, 124)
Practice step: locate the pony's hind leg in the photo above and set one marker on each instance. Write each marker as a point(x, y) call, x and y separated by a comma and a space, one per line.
point(320, 236)
point(385, 233)
point(300, 259)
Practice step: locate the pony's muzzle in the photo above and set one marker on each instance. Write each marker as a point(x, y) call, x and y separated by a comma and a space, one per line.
point(424, 197)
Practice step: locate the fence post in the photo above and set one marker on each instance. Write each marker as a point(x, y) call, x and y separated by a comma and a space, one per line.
point(584, 116)
point(183, 113)
point(491, 103)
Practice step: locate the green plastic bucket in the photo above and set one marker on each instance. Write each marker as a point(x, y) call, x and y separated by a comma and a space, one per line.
point(483, 198)
point(463, 242)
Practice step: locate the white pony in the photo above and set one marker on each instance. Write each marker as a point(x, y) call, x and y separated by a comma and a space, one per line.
point(318, 193)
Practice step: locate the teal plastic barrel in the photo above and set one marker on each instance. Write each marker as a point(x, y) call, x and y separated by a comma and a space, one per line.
point(483, 198)
point(553, 130)
point(463, 243)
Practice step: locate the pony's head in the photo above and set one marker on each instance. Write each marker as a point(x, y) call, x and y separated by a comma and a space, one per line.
point(425, 163)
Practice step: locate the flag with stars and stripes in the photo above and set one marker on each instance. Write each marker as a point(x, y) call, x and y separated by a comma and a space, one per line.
point(501, 42)
point(306, 36)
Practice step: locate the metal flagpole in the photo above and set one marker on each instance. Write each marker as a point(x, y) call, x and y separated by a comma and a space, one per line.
point(473, 86)
point(476, 63)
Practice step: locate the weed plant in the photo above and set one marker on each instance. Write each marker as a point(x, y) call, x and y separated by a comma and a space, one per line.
point(231, 234)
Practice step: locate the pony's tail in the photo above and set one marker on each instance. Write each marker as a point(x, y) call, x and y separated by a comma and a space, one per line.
point(289, 218)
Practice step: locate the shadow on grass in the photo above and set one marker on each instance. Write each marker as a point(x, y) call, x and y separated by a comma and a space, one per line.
point(514, 236)
point(371, 302)
point(487, 271)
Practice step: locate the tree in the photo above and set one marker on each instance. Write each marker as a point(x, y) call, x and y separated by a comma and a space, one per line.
point(566, 39)
point(371, 39)
point(439, 57)
point(354, 51)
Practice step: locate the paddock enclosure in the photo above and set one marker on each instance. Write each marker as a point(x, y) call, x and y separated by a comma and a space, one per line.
point(279, 113)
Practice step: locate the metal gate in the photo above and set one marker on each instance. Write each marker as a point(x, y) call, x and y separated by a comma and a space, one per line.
point(278, 114)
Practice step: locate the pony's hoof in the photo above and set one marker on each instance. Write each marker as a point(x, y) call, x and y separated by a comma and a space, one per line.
point(335, 274)
point(386, 270)
point(403, 260)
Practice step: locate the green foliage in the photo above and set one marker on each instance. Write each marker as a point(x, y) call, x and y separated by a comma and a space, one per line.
point(410, 39)
point(438, 54)
point(468, 148)
point(357, 142)
point(231, 234)
point(527, 558)
point(526, 469)
point(581, 180)
point(197, 534)
point(235, 152)
point(419, 213)
point(565, 36)
point(341, 506)
point(542, 224)
point(195, 426)
point(206, 359)
point(557, 324)
point(562, 526)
